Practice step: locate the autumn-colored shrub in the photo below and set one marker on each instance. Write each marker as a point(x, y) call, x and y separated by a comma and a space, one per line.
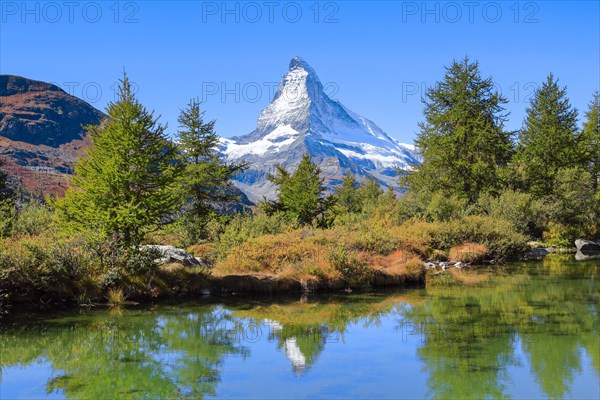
point(469, 253)
point(355, 270)
point(272, 254)
point(414, 267)
point(115, 296)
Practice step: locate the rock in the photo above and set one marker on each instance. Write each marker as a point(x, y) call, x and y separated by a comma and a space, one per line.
point(535, 244)
point(584, 245)
point(430, 265)
point(537, 252)
point(171, 254)
point(579, 256)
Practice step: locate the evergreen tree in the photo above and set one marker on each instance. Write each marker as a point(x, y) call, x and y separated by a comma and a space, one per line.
point(126, 184)
point(347, 197)
point(301, 194)
point(548, 141)
point(591, 140)
point(206, 180)
point(7, 204)
point(5, 189)
point(369, 192)
point(462, 140)
point(571, 209)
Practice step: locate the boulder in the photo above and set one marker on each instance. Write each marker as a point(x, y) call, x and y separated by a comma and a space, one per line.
point(587, 246)
point(579, 256)
point(171, 254)
point(538, 252)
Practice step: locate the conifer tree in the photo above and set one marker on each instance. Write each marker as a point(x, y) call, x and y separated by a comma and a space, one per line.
point(462, 139)
point(591, 140)
point(369, 192)
point(346, 194)
point(5, 190)
point(206, 180)
point(549, 139)
point(7, 204)
point(126, 184)
point(301, 194)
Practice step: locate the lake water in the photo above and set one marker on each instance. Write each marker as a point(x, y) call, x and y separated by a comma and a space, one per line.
point(521, 331)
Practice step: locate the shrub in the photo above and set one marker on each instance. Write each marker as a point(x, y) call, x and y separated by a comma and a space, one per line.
point(414, 267)
point(33, 218)
point(443, 207)
point(412, 205)
point(572, 207)
point(195, 228)
point(45, 265)
point(8, 214)
point(559, 235)
point(244, 227)
point(141, 262)
point(500, 236)
point(469, 253)
point(67, 268)
point(354, 270)
point(370, 235)
point(515, 207)
point(115, 297)
point(273, 254)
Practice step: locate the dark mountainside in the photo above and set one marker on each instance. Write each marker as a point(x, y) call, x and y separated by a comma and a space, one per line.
point(41, 132)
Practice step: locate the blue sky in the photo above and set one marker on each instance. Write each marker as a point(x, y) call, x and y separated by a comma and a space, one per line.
point(375, 57)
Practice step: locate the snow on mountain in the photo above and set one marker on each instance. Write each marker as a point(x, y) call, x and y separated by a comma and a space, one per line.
point(302, 118)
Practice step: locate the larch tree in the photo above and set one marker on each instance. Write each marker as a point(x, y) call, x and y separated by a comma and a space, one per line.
point(301, 194)
point(126, 184)
point(369, 192)
point(5, 189)
point(207, 176)
point(206, 181)
point(548, 141)
point(462, 140)
point(591, 139)
point(347, 196)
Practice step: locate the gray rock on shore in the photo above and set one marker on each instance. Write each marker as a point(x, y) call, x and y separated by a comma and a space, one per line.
point(579, 256)
point(171, 254)
point(585, 246)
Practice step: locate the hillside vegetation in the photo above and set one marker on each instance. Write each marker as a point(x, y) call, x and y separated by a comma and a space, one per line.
point(479, 195)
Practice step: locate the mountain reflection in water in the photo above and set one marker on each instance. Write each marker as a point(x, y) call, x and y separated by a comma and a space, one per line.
point(523, 330)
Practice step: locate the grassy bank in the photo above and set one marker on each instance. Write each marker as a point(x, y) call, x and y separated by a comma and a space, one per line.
point(252, 254)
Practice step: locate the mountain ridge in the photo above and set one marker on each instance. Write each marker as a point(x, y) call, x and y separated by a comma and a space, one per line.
point(42, 135)
point(38, 112)
point(41, 132)
point(302, 118)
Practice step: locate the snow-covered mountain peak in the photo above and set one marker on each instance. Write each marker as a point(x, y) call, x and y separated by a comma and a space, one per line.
point(298, 90)
point(303, 118)
point(298, 62)
point(298, 65)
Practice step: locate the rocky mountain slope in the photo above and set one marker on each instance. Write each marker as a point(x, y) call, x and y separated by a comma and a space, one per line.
point(42, 135)
point(302, 118)
point(41, 132)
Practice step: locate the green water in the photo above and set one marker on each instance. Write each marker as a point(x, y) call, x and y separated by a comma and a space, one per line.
point(522, 331)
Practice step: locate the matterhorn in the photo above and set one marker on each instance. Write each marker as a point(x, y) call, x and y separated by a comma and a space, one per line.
point(302, 118)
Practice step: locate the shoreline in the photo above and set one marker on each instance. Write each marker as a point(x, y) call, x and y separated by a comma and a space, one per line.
point(249, 285)
point(172, 281)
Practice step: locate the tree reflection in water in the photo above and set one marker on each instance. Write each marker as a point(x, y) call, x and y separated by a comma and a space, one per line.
point(473, 332)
